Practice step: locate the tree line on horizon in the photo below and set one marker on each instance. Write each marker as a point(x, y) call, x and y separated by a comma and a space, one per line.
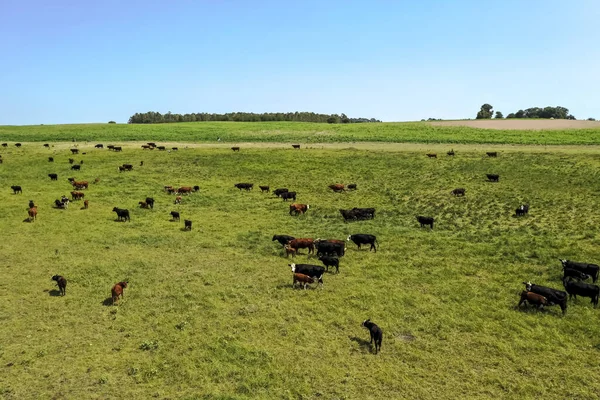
point(486, 112)
point(153, 117)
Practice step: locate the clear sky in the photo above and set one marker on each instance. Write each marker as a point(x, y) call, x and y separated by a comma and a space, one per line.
point(99, 60)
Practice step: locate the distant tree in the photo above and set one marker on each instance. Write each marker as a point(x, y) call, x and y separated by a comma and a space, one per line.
point(499, 115)
point(571, 116)
point(485, 112)
point(344, 119)
point(520, 114)
point(331, 120)
point(591, 119)
point(511, 115)
point(111, 122)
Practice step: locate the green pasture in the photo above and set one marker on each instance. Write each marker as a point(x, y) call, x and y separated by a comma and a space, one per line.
point(211, 313)
point(299, 132)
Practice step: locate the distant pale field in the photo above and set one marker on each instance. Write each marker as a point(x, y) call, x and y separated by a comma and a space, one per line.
point(522, 124)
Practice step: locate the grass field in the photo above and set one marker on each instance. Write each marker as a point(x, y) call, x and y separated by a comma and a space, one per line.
point(232, 132)
point(210, 314)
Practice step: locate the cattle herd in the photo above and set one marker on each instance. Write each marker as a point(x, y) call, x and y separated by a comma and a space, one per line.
point(328, 251)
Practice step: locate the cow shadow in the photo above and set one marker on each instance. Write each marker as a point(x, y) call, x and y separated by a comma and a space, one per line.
point(107, 302)
point(184, 229)
point(365, 345)
point(27, 220)
point(119, 220)
point(54, 293)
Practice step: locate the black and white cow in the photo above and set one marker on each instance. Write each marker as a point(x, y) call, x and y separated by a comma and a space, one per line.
point(554, 296)
point(522, 210)
point(314, 271)
point(590, 269)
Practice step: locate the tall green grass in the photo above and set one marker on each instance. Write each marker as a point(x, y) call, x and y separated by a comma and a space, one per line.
point(232, 132)
point(211, 313)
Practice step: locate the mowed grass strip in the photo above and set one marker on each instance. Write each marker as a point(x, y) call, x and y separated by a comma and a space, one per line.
point(211, 313)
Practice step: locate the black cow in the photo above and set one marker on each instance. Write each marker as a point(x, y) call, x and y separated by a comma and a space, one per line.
point(451, 152)
point(282, 239)
point(582, 289)
point(493, 177)
point(117, 148)
point(18, 144)
point(175, 149)
point(61, 282)
point(314, 271)
point(53, 177)
point(329, 261)
point(99, 146)
point(360, 239)
point(110, 147)
point(375, 332)
point(62, 204)
point(122, 214)
point(46, 145)
point(188, 224)
point(328, 248)
point(277, 192)
point(150, 202)
point(288, 195)
point(459, 192)
point(74, 151)
point(71, 160)
point(50, 159)
point(570, 272)
point(16, 189)
point(31, 204)
point(128, 167)
point(522, 210)
point(364, 213)
point(590, 269)
point(76, 167)
point(175, 215)
point(4, 144)
point(554, 296)
point(196, 188)
point(425, 221)
point(162, 148)
point(246, 186)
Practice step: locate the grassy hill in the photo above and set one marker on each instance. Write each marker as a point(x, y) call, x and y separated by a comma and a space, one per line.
point(211, 314)
point(232, 132)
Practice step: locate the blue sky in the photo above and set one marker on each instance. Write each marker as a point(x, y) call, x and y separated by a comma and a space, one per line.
point(95, 61)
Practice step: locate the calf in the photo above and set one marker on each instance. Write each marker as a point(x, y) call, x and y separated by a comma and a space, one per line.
point(245, 186)
point(360, 239)
point(533, 299)
point(553, 296)
point(31, 204)
point(264, 189)
point(50, 159)
point(458, 192)
point(425, 221)
point(187, 224)
point(196, 188)
point(314, 271)
point(304, 280)
point(122, 214)
point(61, 282)
point(288, 195)
point(493, 177)
point(329, 261)
point(492, 153)
point(375, 332)
point(282, 239)
point(178, 200)
point(76, 167)
point(150, 202)
point(290, 250)
point(431, 155)
point(53, 177)
point(303, 243)
point(278, 192)
point(298, 208)
point(32, 212)
point(143, 204)
point(117, 291)
point(337, 187)
point(351, 186)
point(86, 204)
point(235, 148)
point(16, 189)
point(590, 269)
point(175, 216)
point(522, 210)
point(582, 289)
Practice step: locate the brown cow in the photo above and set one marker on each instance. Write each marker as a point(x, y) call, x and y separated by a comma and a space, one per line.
point(77, 195)
point(185, 190)
point(32, 213)
point(290, 250)
point(298, 208)
point(337, 187)
point(432, 155)
point(533, 299)
point(178, 200)
point(303, 243)
point(86, 203)
point(143, 204)
point(304, 280)
point(80, 185)
point(117, 291)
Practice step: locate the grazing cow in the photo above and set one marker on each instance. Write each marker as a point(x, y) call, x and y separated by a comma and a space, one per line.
point(303, 243)
point(117, 148)
point(76, 167)
point(304, 280)
point(282, 239)
point(143, 204)
point(161, 148)
point(451, 153)
point(278, 192)
point(117, 291)
point(4, 144)
point(167, 187)
point(264, 189)
point(288, 195)
point(74, 151)
point(50, 159)
point(53, 177)
point(61, 282)
point(110, 147)
point(314, 271)
point(492, 153)
point(575, 274)
point(16, 189)
point(590, 269)
point(175, 216)
point(174, 148)
point(458, 192)
point(178, 200)
point(196, 188)
point(351, 186)
point(18, 144)
point(99, 146)
point(171, 190)
point(152, 144)
point(246, 186)
point(493, 177)
point(86, 204)
point(147, 147)
point(297, 208)
point(32, 213)
point(290, 250)
point(187, 224)
point(81, 162)
point(141, 163)
point(122, 214)
point(553, 296)
point(360, 239)
point(432, 155)
point(522, 210)
point(533, 299)
point(46, 145)
point(79, 185)
point(150, 202)
point(77, 195)
point(325, 247)
point(425, 221)
point(375, 332)
point(60, 204)
point(296, 146)
point(71, 160)
point(185, 190)
point(235, 148)
point(582, 289)
point(121, 169)
point(329, 261)
point(337, 187)
point(31, 204)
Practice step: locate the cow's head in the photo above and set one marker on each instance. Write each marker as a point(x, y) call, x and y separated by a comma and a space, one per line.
point(528, 285)
point(564, 262)
point(307, 206)
point(366, 322)
point(293, 266)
